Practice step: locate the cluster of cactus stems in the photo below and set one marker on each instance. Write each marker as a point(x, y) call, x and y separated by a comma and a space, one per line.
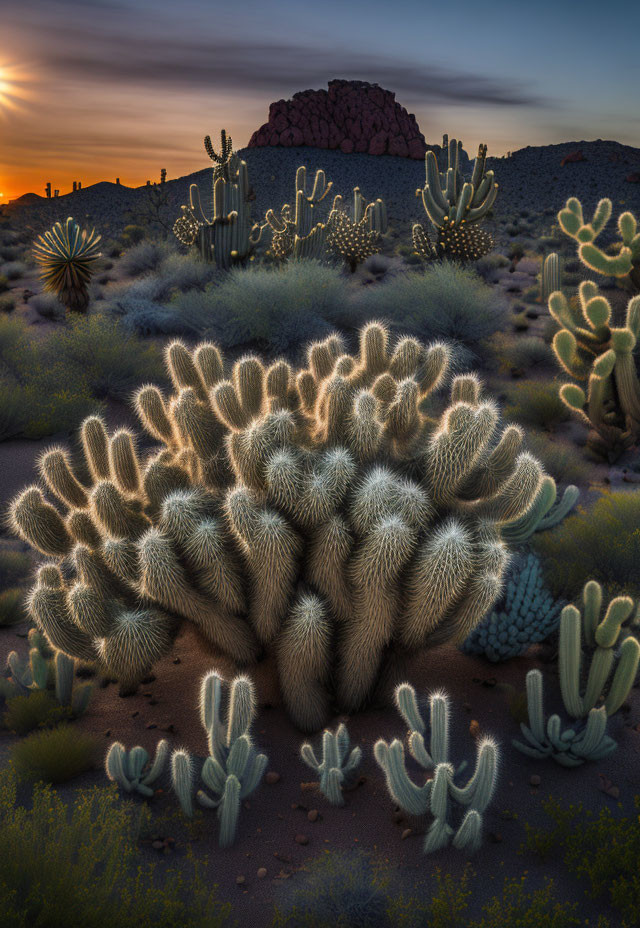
point(453, 205)
point(297, 233)
point(356, 236)
point(593, 695)
point(591, 349)
point(528, 613)
point(623, 259)
point(132, 770)
point(337, 766)
point(228, 235)
point(439, 795)
point(546, 512)
point(42, 671)
point(233, 770)
point(227, 162)
point(67, 255)
point(327, 516)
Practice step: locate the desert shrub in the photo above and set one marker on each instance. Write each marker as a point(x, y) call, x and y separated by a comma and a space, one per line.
point(276, 309)
point(29, 711)
point(12, 606)
point(445, 302)
point(4, 283)
point(144, 257)
point(521, 353)
point(561, 459)
point(147, 319)
point(187, 272)
point(132, 235)
point(14, 270)
point(111, 361)
point(54, 756)
point(338, 891)
point(536, 403)
point(40, 393)
point(601, 847)
point(15, 567)
point(486, 265)
point(601, 543)
point(7, 303)
point(80, 865)
point(48, 306)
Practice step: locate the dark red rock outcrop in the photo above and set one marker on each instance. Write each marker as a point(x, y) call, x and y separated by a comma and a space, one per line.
point(354, 116)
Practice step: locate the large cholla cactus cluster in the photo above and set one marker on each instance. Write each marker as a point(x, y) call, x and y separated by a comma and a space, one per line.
point(329, 517)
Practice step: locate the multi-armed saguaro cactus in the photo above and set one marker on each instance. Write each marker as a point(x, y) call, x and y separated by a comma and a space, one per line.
point(228, 236)
point(337, 766)
point(600, 637)
point(67, 255)
point(439, 793)
point(357, 236)
point(322, 515)
point(300, 234)
point(227, 162)
point(591, 349)
point(453, 205)
point(623, 259)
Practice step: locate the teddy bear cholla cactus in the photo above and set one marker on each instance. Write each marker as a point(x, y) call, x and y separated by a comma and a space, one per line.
point(322, 516)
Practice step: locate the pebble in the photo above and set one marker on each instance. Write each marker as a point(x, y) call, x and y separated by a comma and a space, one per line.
point(158, 845)
point(302, 839)
point(240, 880)
point(147, 680)
point(135, 714)
point(474, 728)
point(312, 815)
point(107, 733)
point(177, 660)
point(535, 780)
point(407, 833)
point(272, 777)
point(262, 872)
point(151, 725)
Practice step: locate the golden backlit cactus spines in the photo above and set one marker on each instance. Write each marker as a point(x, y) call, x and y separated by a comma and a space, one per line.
point(55, 468)
point(95, 442)
point(336, 506)
point(67, 256)
point(38, 522)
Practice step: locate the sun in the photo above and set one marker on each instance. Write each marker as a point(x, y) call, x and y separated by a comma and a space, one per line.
point(13, 87)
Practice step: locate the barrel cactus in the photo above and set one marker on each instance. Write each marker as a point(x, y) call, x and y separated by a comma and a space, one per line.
point(330, 517)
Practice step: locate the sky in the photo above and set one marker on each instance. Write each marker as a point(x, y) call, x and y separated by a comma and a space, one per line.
point(92, 90)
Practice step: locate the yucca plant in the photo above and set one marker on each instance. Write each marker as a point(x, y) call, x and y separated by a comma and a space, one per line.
point(67, 255)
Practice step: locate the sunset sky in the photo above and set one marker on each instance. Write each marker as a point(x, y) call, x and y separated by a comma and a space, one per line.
point(95, 89)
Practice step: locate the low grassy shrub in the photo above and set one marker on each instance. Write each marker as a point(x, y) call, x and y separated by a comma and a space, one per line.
point(7, 302)
point(63, 865)
point(55, 755)
point(143, 258)
point(48, 306)
point(561, 459)
point(602, 848)
point(536, 403)
point(12, 606)
point(4, 283)
point(275, 310)
point(15, 567)
point(520, 353)
point(29, 711)
point(14, 270)
point(445, 302)
point(600, 543)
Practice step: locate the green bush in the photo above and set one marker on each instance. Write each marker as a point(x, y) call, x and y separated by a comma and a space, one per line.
point(445, 302)
point(54, 756)
point(132, 235)
point(537, 403)
point(29, 711)
point(15, 567)
point(602, 848)
point(276, 309)
point(601, 543)
point(80, 866)
point(4, 283)
point(12, 606)
point(562, 460)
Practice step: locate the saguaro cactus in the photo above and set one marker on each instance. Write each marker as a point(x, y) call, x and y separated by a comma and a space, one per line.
point(299, 234)
point(453, 205)
point(439, 793)
point(326, 515)
point(228, 235)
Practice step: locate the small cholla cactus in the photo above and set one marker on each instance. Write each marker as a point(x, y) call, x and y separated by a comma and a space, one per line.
point(67, 255)
point(337, 765)
point(132, 771)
